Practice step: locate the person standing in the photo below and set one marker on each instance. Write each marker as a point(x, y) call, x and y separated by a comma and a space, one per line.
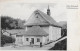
point(40, 44)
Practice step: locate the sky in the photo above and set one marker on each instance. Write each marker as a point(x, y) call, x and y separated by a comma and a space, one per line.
point(23, 10)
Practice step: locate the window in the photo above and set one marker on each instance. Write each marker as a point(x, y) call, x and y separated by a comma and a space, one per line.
point(37, 12)
point(37, 17)
point(38, 40)
point(27, 39)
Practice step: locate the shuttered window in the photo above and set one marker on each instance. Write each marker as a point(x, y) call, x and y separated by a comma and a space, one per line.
point(38, 40)
point(27, 39)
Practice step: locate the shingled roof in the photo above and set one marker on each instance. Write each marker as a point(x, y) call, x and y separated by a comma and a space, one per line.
point(35, 31)
point(47, 20)
point(15, 31)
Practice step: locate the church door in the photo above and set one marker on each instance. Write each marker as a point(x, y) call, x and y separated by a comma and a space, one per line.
point(32, 40)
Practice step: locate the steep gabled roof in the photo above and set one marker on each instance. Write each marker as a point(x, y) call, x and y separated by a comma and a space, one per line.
point(46, 19)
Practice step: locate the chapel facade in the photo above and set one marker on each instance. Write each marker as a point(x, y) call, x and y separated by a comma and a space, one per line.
point(40, 28)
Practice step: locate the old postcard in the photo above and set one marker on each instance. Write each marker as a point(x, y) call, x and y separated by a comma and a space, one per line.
point(38, 25)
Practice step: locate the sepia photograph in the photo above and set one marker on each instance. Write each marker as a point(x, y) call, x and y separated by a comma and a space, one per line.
point(33, 26)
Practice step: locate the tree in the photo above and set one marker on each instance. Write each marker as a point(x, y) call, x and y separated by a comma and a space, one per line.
point(20, 24)
point(11, 23)
point(5, 21)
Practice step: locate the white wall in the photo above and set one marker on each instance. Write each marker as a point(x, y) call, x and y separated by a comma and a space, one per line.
point(46, 29)
point(19, 40)
point(26, 28)
point(44, 39)
point(22, 40)
point(55, 33)
point(28, 42)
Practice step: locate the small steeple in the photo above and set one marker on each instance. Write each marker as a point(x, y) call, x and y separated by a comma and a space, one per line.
point(48, 11)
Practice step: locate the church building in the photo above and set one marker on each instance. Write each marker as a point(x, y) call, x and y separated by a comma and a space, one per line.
point(40, 28)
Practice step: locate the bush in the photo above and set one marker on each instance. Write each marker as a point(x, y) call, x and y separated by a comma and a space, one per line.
point(6, 39)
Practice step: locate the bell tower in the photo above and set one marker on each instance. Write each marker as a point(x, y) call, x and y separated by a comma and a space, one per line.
point(48, 11)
